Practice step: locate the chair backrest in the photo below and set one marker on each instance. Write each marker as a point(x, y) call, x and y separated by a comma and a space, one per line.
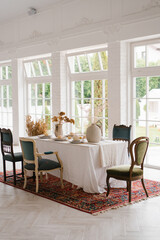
point(28, 149)
point(138, 150)
point(6, 141)
point(121, 132)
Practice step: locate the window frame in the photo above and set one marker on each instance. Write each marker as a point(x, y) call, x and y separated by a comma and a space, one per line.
point(86, 76)
point(147, 72)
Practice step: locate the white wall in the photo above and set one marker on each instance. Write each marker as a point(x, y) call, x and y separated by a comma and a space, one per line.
point(78, 23)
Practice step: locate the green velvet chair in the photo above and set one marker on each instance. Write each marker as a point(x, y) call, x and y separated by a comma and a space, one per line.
point(129, 173)
point(9, 155)
point(37, 163)
point(122, 133)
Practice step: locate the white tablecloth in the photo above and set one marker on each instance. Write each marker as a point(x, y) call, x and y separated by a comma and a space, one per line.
point(85, 164)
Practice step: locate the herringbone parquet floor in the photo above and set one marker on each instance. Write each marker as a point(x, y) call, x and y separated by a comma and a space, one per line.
point(25, 216)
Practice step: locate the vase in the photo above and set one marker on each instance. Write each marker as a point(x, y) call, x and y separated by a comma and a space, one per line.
point(93, 133)
point(58, 130)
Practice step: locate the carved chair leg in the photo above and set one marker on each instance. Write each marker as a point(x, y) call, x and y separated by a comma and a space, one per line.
point(61, 177)
point(108, 185)
point(4, 169)
point(127, 186)
point(25, 178)
point(14, 172)
point(144, 187)
point(37, 181)
point(22, 169)
point(129, 183)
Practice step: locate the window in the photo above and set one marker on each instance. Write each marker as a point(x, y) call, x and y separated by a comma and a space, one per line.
point(89, 90)
point(39, 89)
point(146, 97)
point(6, 120)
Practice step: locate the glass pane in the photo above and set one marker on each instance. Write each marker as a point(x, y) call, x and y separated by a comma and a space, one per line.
point(29, 71)
point(104, 58)
point(48, 121)
point(33, 88)
point(78, 89)
point(106, 127)
point(44, 67)
point(9, 119)
point(47, 90)
point(98, 89)
point(10, 105)
point(153, 55)
point(39, 109)
point(154, 110)
point(86, 108)
point(36, 68)
point(87, 89)
point(73, 64)
point(154, 87)
point(77, 107)
point(99, 106)
point(154, 132)
point(10, 91)
point(5, 105)
point(140, 56)
point(84, 63)
point(78, 122)
point(94, 59)
point(5, 118)
point(153, 154)
point(4, 91)
point(33, 102)
point(140, 128)
point(50, 65)
point(140, 107)
point(106, 108)
point(9, 72)
point(39, 102)
point(39, 90)
point(140, 87)
point(85, 123)
point(4, 76)
point(106, 88)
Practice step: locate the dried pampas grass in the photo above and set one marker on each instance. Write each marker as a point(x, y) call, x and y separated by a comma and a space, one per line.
point(36, 128)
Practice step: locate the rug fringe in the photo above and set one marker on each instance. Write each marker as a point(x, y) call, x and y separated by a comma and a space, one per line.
point(126, 204)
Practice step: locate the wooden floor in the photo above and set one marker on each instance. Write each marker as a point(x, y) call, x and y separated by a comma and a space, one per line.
point(26, 216)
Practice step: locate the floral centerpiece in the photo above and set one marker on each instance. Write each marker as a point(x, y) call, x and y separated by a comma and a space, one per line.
point(59, 120)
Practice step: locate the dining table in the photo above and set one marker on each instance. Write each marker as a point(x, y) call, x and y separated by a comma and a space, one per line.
point(85, 164)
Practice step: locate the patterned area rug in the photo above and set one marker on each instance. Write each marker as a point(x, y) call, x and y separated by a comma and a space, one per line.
point(87, 202)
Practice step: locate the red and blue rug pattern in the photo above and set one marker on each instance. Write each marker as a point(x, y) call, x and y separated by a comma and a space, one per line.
point(86, 202)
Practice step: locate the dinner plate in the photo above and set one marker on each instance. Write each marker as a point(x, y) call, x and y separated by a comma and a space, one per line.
point(60, 139)
point(76, 141)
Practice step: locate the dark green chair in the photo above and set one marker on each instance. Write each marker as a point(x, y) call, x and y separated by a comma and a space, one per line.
point(9, 155)
point(129, 173)
point(122, 133)
point(37, 163)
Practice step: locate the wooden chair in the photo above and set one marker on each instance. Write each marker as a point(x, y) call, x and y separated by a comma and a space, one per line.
point(9, 155)
point(122, 133)
point(129, 173)
point(37, 163)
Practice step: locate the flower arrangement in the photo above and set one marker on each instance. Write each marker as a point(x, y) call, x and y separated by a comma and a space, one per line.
point(36, 128)
point(62, 118)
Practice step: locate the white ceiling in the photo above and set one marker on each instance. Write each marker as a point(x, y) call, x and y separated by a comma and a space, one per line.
point(11, 9)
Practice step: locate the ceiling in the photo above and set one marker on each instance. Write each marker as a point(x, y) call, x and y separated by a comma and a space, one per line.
point(11, 9)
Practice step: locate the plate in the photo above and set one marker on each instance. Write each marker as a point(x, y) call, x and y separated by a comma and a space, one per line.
point(60, 139)
point(76, 141)
point(45, 137)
